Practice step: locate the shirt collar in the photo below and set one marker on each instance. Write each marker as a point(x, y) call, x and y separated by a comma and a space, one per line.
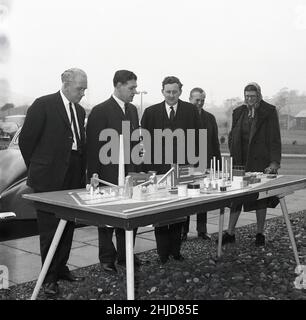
point(65, 100)
point(168, 107)
point(120, 102)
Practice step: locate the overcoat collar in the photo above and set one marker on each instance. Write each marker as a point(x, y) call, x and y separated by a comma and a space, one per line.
point(261, 115)
point(117, 108)
point(61, 109)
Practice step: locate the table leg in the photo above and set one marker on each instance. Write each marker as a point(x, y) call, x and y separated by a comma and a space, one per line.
point(48, 260)
point(221, 224)
point(129, 252)
point(290, 232)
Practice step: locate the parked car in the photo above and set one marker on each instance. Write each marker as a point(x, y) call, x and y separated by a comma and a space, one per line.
point(4, 135)
point(13, 182)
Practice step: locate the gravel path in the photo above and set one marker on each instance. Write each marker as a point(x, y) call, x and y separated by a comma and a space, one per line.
point(243, 273)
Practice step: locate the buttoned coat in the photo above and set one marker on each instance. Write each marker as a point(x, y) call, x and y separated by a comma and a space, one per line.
point(208, 121)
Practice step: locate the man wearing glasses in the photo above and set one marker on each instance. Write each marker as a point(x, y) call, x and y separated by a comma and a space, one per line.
point(254, 142)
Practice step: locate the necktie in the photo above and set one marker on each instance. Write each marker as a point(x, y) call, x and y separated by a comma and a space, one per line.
point(172, 114)
point(128, 167)
point(75, 128)
point(126, 111)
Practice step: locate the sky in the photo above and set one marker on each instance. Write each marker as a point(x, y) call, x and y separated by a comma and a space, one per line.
point(218, 45)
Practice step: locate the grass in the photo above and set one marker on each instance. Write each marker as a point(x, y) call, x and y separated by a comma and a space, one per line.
point(293, 141)
point(3, 144)
point(286, 149)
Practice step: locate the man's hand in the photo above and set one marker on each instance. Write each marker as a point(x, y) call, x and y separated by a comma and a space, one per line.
point(272, 169)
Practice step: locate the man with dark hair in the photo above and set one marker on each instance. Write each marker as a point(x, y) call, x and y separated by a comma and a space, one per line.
point(197, 98)
point(254, 142)
point(172, 114)
point(52, 143)
point(172, 80)
point(123, 76)
point(109, 115)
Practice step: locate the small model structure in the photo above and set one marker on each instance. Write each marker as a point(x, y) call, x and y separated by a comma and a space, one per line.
point(300, 281)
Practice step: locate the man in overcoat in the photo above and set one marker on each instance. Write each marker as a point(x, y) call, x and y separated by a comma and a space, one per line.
point(197, 98)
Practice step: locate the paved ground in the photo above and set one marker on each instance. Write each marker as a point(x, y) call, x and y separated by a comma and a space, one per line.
point(22, 256)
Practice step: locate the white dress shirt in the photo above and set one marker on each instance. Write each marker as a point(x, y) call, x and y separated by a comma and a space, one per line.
point(66, 104)
point(120, 102)
point(168, 109)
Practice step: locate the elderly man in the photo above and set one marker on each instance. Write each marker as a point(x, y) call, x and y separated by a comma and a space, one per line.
point(197, 98)
point(52, 143)
point(254, 142)
point(172, 114)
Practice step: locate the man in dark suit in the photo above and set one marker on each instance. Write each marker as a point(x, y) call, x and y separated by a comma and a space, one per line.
point(197, 98)
point(52, 143)
point(109, 115)
point(254, 142)
point(171, 114)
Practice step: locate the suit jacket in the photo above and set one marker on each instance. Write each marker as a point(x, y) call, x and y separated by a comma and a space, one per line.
point(213, 147)
point(45, 142)
point(107, 115)
point(265, 141)
point(155, 117)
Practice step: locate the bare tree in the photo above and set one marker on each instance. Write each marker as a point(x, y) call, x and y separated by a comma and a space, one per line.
point(7, 106)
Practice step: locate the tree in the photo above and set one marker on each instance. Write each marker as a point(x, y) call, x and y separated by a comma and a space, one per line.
point(230, 104)
point(281, 99)
point(284, 100)
point(7, 106)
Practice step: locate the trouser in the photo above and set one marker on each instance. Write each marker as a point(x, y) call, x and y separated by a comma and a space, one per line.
point(47, 225)
point(107, 250)
point(168, 239)
point(201, 223)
